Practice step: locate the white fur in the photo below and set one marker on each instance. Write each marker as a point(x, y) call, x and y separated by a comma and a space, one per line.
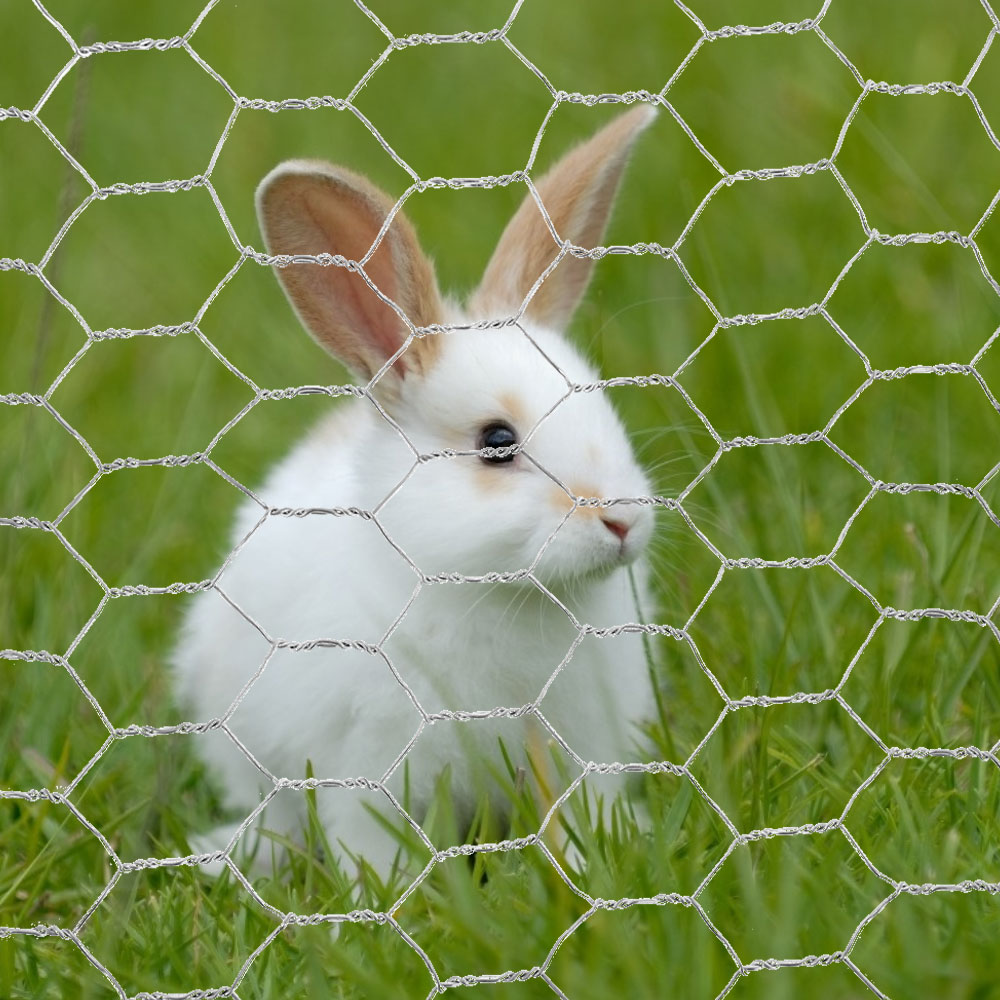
point(459, 647)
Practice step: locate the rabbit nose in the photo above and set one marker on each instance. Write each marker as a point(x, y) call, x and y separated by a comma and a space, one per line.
point(618, 528)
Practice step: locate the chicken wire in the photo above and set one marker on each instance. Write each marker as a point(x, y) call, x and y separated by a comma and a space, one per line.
point(249, 256)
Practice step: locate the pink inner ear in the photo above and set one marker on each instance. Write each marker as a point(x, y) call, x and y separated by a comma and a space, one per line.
point(314, 208)
point(348, 227)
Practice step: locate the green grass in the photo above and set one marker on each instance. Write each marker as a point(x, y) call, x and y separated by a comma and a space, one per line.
point(915, 163)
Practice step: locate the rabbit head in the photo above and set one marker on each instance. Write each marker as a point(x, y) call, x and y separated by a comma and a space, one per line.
point(519, 457)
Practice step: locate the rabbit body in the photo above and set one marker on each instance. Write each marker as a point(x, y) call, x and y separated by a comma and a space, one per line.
point(363, 568)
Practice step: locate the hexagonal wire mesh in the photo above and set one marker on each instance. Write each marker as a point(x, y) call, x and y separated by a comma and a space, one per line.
point(843, 696)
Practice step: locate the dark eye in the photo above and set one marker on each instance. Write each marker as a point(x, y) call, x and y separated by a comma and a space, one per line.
point(498, 435)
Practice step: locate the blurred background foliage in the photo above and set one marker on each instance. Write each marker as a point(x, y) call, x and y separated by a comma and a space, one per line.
point(915, 163)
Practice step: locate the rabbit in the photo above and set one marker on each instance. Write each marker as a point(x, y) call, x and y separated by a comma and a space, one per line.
point(359, 528)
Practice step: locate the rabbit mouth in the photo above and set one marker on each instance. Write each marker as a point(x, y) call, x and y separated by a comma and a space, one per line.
point(625, 554)
point(623, 532)
point(594, 554)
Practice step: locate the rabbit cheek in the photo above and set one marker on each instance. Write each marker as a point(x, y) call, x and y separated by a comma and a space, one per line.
point(492, 481)
point(562, 554)
point(560, 501)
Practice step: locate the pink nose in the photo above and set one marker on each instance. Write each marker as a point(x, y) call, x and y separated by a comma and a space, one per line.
point(617, 528)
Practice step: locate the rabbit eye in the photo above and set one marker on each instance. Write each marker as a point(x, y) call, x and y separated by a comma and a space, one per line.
point(497, 435)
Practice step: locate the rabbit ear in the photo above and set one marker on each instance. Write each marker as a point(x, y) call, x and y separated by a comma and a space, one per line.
point(578, 193)
point(311, 207)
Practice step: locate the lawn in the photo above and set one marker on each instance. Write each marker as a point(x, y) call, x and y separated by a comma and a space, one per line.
point(829, 337)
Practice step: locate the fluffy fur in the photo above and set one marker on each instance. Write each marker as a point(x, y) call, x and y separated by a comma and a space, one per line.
point(467, 647)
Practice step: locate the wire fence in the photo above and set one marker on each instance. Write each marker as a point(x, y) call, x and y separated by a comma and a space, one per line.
point(249, 256)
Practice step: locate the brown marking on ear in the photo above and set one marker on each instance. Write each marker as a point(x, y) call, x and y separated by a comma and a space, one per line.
point(311, 207)
point(578, 193)
point(423, 352)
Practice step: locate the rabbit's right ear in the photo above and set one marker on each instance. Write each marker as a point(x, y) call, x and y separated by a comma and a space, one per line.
point(311, 207)
point(578, 194)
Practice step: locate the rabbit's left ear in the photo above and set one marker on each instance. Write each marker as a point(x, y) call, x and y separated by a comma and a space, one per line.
point(311, 207)
point(578, 194)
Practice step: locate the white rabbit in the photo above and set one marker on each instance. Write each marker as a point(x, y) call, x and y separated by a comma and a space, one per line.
point(347, 708)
